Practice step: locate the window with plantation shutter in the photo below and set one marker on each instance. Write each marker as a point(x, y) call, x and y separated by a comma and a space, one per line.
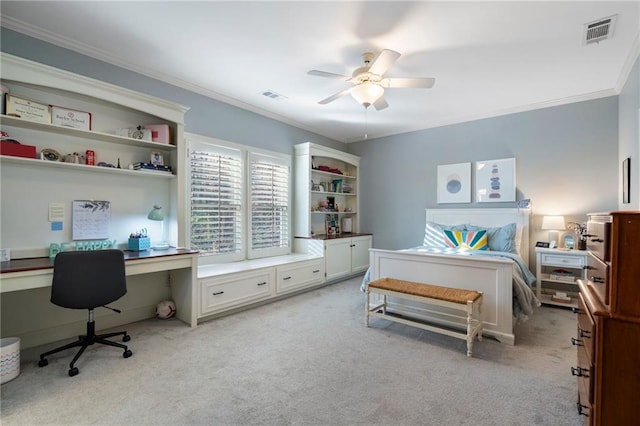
point(269, 201)
point(216, 185)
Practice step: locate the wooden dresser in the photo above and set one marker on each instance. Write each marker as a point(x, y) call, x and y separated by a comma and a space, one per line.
point(608, 336)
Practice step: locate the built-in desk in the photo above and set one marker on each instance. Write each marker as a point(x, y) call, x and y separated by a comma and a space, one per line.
point(27, 274)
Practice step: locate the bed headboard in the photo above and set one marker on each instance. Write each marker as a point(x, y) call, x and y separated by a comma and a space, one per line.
point(490, 217)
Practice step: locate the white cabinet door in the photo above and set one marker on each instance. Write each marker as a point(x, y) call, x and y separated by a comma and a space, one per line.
point(221, 293)
point(337, 257)
point(360, 253)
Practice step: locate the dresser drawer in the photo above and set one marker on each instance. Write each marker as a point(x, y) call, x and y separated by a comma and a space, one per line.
point(598, 237)
point(598, 276)
point(228, 291)
point(562, 260)
point(299, 275)
point(585, 336)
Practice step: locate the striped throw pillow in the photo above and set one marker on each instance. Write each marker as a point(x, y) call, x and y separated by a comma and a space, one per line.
point(469, 240)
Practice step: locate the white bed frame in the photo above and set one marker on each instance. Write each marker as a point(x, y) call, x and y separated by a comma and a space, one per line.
point(493, 276)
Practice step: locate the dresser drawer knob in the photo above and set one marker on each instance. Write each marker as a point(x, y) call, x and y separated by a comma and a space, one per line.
point(284, 279)
point(581, 409)
point(316, 271)
point(583, 333)
point(598, 280)
point(218, 293)
point(580, 372)
point(265, 283)
point(576, 342)
point(597, 240)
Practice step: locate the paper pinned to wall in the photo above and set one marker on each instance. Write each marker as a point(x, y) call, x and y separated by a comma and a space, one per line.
point(91, 219)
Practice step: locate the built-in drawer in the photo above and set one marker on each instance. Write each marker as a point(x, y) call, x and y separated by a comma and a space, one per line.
point(598, 232)
point(299, 275)
point(563, 260)
point(219, 293)
point(598, 276)
point(585, 337)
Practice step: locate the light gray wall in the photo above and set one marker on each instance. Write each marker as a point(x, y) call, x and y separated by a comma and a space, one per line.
point(566, 163)
point(629, 119)
point(206, 116)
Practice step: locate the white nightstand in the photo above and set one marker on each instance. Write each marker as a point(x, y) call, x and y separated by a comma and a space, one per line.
point(549, 261)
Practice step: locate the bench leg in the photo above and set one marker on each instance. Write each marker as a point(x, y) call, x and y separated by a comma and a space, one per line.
point(366, 308)
point(480, 323)
point(469, 328)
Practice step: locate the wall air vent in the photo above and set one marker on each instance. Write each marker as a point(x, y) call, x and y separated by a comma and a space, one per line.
point(599, 30)
point(273, 95)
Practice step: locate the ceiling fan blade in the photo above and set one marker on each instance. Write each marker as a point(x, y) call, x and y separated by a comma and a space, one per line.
point(411, 82)
point(383, 62)
point(328, 75)
point(381, 103)
point(334, 97)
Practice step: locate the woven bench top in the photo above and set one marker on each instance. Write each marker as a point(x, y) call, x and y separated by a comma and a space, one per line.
point(455, 295)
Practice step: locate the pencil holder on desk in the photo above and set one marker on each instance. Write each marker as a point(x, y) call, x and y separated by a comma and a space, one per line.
point(139, 244)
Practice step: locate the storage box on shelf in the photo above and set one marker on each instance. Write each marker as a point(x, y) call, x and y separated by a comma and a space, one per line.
point(608, 334)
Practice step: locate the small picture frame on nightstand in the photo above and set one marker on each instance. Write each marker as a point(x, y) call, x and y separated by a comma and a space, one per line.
point(569, 242)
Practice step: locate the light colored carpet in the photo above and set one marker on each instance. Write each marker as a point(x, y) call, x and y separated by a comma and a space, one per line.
point(306, 360)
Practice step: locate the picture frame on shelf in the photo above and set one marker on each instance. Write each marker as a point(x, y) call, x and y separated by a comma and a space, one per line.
point(496, 181)
point(156, 158)
point(454, 183)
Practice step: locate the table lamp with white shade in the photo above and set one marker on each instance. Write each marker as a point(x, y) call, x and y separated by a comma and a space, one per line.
point(553, 224)
point(157, 214)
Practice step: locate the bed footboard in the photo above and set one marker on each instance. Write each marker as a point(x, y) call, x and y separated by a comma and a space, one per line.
point(492, 276)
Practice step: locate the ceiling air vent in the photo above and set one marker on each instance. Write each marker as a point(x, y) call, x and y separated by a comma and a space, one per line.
point(599, 30)
point(273, 95)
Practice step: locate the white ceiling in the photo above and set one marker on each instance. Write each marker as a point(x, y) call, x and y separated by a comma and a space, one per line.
point(488, 58)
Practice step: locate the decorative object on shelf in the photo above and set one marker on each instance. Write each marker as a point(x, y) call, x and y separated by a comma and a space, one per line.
point(50, 155)
point(454, 183)
point(75, 158)
point(150, 167)
point(156, 214)
point(70, 118)
point(332, 222)
point(569, 242)
point(496, 180)
point(90, 157)
point(28, 109)
point(87, 245)
point(159, 132)
point(156, 158)
point(553, 224)
point(135, 133)
point(12, 147)
point(580, 229)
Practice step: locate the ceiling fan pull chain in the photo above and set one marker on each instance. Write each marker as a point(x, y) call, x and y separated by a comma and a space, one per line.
point(366, 135)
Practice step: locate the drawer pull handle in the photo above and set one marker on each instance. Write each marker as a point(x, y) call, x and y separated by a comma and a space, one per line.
point(576, 311)
point(581, 408)
point(583, 333)
point(264, 282)
point(576, 342)
point(580, 372)
point(587, 267)
point(316, 271)
point(597, 280)
point(217, 293)
point(597, 240)
point(285, 278)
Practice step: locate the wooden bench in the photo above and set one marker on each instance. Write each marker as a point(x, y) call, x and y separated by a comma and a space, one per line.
point(468, 301)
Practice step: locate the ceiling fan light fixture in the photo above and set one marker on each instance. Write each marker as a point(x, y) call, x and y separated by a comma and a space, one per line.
point(366, 93)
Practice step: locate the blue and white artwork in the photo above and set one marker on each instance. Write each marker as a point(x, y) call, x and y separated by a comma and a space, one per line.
point(454, 183)
point(496, 181)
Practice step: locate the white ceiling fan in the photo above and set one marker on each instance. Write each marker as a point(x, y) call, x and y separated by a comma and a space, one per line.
point(370, 81)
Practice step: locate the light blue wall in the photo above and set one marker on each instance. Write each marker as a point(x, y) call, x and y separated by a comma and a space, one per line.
point(629, 107)
point(206, 117)
point(566, 163)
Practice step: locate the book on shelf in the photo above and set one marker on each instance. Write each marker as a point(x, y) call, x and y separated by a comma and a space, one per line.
point(561, 297)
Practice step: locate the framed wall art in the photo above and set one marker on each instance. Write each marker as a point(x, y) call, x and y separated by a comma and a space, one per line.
point(496, 180)
point(454, 183)
point(626, 180)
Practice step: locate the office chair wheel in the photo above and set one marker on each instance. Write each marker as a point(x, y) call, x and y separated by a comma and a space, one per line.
point(127, 353)
point(73, 371)
point(43, 362)
point(126, 338)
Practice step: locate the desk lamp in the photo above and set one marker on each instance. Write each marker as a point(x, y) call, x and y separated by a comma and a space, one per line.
point(158, 215)
point(553, 224)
